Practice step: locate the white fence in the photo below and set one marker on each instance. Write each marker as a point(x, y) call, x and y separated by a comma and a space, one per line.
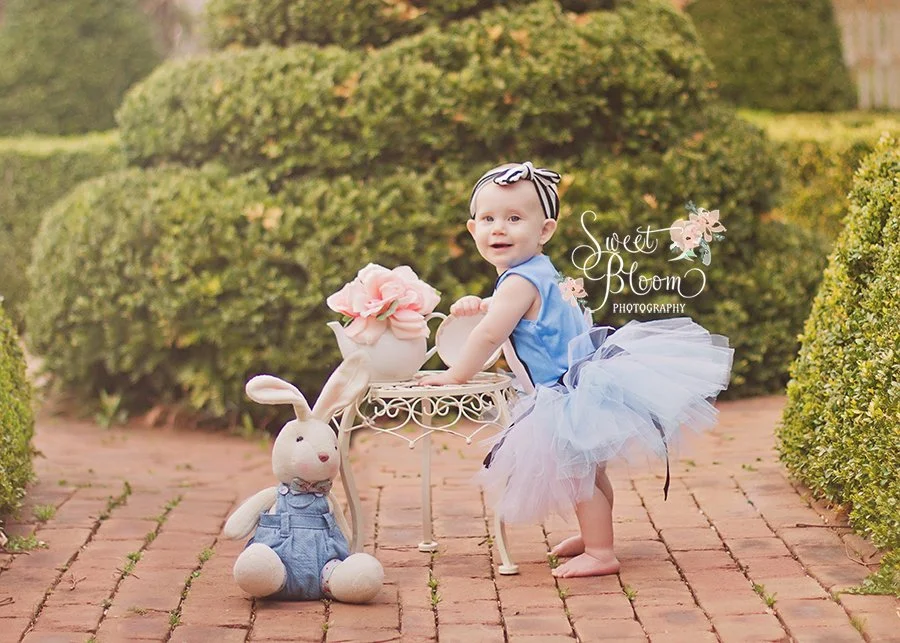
point(870, 31)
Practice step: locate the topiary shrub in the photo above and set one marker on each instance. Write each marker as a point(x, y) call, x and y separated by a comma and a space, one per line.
point(819, 154)
point(187, 323)
point(839, 434)
point(254, 109)
point(347, 23)
point(624, 81)
point(769, 54)
point(16, 419)
point(66, 65)
point(358, 156)
point(35, 172)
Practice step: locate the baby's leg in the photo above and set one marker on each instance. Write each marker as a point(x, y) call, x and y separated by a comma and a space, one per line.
point(574, 545)
point(595, 521)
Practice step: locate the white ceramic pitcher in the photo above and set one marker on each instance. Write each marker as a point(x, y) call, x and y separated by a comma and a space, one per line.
point(393, 359)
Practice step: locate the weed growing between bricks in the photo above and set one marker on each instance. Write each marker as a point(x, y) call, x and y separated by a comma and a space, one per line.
point(681, 573)
point(489, 541)
point(111, 503)
point(563, 592)
point(133, 557)
point(834, 596)
point(768, 599)
point(175, 614)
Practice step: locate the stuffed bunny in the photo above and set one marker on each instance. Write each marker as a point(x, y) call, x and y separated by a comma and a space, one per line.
point(299, 550)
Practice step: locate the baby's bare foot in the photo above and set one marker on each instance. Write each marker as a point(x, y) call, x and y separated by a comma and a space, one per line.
point(600, 563)
point(571, 546)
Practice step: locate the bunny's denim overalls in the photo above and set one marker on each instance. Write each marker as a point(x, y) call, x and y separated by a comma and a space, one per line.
point(304, 534)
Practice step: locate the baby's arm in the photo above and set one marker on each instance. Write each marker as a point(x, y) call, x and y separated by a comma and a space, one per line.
point(509, 304)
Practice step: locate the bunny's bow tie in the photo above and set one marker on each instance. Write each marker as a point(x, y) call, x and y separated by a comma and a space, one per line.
point(300, 486)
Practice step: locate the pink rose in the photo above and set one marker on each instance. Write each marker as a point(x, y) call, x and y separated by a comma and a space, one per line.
point(380, 295)
point(365, 330)
point(408, 324)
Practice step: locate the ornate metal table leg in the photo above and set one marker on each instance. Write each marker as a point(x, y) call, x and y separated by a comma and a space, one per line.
point(507, 567)
point(347, 419)
point(428, 543)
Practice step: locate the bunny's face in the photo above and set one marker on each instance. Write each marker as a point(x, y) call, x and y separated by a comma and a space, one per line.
point(306, 449)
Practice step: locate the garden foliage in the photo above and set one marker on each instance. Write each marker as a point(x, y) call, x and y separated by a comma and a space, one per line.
point(267, 177)
point(346, 23)
point(771, 54)
point(840, 430)
point(819, 155)
point(36, 172)
point(16, 419)
point(519, 83)
point(66, 65)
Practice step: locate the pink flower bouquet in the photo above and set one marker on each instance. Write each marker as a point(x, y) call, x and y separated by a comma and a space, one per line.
point(380, 299)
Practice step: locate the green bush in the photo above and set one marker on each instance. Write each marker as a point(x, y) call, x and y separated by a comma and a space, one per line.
point(369, 156)
point(770, 54)
point(156, 316)
point(347, 23)
point(259, 108)
point(839, 433)
point(819, 154)
point(16, 419)
point(66, 65)
point(34, 173)
point(625, 81)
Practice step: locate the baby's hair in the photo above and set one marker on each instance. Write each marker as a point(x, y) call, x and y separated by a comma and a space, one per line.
point(544, 181)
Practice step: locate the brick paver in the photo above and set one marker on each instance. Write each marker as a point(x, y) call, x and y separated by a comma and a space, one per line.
point(134, 551)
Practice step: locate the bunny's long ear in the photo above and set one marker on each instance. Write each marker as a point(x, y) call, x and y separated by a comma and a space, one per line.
point(267, 389)
point(347, 382)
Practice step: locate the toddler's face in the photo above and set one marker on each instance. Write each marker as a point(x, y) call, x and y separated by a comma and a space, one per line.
point(509, 225)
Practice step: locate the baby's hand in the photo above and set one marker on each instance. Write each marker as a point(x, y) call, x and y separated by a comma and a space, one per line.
point(469, 305)
point(438, 379)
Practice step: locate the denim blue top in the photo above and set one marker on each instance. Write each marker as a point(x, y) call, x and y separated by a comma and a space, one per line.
point(542, 344)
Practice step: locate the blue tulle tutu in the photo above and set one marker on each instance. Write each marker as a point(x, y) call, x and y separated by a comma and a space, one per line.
point(629, 391)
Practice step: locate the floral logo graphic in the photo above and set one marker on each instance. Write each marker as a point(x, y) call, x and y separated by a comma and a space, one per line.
point(692, 236)
point(573, 290)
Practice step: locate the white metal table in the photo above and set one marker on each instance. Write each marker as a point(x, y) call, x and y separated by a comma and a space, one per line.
point(432, 409)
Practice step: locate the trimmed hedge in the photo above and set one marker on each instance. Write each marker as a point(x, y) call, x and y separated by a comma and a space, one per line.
point(530, 82)
point(820, 153)
point(156, 316)
point(259, 108)
point(326, 159)
point(771, 54)
point(16, 419)
point(347, 23)
point(34, 173)
point(839, 433)
point(66, 65)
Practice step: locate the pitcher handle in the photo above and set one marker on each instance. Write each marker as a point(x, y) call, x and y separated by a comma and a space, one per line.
point(431, 351)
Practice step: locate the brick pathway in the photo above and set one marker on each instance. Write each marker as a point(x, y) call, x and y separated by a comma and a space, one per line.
point(134, 551)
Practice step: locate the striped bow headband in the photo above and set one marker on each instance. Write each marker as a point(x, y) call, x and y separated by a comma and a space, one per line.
point(544, 182)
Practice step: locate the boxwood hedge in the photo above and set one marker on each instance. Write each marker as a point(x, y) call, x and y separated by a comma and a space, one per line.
point(16, 419)
point(327, 158)
point(66, 65)
point(157, 315)
point(819, 154)
point(347, 23)
point(35, 172)
point(770, 54)
point(534, 81)
point(839, 433)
